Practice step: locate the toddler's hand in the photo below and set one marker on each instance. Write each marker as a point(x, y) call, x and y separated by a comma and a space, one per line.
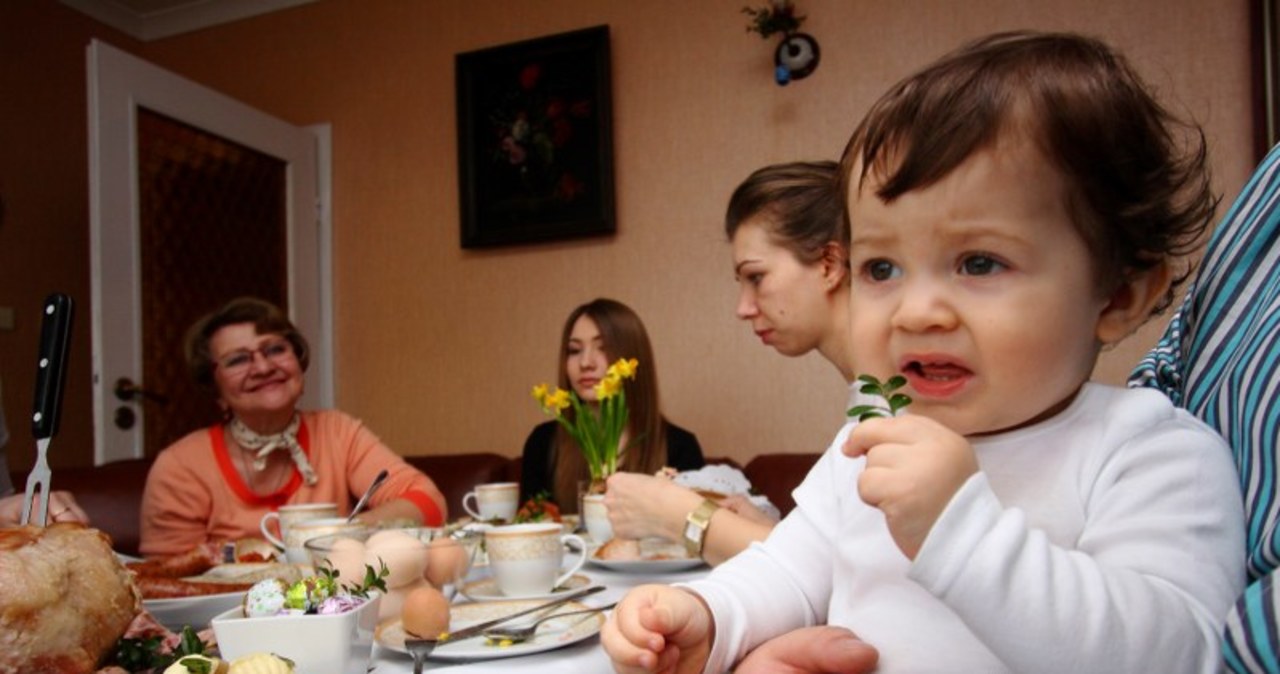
point(914, 466)
point(658, 628)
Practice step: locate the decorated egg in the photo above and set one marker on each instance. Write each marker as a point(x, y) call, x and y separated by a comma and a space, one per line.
point(404, 555)
point(425, 613)
point(265, 598)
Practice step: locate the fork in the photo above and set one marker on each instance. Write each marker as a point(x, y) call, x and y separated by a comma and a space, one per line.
point(518, 633)
point(420, 649)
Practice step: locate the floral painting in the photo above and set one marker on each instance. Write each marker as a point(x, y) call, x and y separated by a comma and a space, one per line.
point(535, 146)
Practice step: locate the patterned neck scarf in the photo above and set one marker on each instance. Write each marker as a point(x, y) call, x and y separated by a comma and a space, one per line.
point(264, 445)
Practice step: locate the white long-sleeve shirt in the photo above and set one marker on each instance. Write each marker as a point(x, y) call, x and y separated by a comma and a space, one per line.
point(1106, 539)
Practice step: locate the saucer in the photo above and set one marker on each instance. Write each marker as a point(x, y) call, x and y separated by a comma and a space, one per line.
point(486, 589)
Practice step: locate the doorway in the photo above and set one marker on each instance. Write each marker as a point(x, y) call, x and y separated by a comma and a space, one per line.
point(195, 198)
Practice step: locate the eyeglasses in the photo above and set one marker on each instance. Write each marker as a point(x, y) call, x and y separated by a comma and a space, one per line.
point(238, 362)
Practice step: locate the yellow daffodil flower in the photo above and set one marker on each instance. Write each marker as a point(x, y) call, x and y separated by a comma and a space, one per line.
point(597, 429)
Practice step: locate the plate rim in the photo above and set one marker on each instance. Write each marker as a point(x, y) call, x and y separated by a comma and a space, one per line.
point(582, 581)
point(647, 565)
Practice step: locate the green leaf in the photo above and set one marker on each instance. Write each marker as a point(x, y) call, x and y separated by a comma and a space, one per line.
point(898, 401)
point(873, 414)
point(895, 382)
point(860, 410)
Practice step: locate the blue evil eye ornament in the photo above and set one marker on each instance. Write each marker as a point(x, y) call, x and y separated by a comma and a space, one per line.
point(796, 58)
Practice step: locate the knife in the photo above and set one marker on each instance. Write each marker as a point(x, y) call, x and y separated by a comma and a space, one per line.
point(51, 374)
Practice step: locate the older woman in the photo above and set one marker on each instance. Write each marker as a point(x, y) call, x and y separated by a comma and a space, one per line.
point(216, 484)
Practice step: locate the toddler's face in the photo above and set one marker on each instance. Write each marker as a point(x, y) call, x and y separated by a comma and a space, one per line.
point(978, 289)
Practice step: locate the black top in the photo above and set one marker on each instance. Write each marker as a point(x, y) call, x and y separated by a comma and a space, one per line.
point(537, 472)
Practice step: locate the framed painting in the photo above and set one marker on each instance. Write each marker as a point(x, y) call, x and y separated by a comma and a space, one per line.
point(535, 140)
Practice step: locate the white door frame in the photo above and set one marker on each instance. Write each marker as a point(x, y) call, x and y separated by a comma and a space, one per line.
point(118, 83)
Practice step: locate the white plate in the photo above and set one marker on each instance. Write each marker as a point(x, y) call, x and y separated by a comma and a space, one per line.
point(552, 634)
point(194, 611)
point(645, 565)
point(178, 612)
point(486, 589)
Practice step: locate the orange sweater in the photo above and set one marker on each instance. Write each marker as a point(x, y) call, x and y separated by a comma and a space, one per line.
point(194, 493)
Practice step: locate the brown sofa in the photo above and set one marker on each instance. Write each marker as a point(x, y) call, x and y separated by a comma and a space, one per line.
point(112, 493)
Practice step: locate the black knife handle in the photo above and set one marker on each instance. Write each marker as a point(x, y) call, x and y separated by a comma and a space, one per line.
point(51, 370)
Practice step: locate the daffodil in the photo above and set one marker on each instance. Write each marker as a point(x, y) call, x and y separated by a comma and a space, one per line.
point(596, 428)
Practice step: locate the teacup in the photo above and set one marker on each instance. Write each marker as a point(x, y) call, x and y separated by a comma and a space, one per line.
point(493, 500)
point(295, 551)
point(526, 559)
point(595, 517)
point(288, 515)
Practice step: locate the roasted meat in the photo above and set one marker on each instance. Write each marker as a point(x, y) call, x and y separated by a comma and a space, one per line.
point(65, 599)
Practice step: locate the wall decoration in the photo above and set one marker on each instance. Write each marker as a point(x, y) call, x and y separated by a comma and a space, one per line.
point(535, 140)
point(797, 54)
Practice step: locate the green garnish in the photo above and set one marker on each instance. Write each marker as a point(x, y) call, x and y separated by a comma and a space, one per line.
point(892, 402)
point(373, 580)
point(138, 655)
point(196, 665)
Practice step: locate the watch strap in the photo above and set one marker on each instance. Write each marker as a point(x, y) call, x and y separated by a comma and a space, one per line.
point(696, 523)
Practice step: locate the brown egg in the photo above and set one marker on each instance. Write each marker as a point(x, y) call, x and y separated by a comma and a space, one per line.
point(446, 561)
point(347, 558)
point(404, 555)
point(425, 613)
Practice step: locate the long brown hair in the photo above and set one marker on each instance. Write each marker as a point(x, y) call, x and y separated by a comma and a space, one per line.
point(624, 336)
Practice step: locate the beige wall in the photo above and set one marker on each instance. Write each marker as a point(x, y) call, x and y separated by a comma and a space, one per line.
point(437, 347)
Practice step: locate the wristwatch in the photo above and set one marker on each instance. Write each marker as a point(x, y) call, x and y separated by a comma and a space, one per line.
point(695, 528)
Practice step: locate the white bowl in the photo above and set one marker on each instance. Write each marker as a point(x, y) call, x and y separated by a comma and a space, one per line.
point(317, 644)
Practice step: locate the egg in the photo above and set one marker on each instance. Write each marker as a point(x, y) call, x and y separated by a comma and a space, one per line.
point(425, 613)
point(404, 555)
point(346, 555)
point(446, 561)
point(265, 598)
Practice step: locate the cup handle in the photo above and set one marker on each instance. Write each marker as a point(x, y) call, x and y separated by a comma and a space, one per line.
point(577, 542)
point(267, 533)
point(474, 510)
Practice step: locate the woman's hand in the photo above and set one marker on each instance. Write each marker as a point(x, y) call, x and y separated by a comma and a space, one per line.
point(914, 466)
point(643, 505)
point(62, 508)
point(659, 628)
point(811, 650)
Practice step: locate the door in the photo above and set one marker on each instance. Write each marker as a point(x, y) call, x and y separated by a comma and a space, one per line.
point(161, 148)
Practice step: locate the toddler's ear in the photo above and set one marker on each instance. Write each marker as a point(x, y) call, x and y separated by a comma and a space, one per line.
point(1132, 303)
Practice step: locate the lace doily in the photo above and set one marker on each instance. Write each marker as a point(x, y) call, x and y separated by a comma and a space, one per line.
point(724, 479)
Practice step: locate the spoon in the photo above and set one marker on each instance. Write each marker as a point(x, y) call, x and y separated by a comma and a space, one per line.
point(364, 500)
point(518, 633)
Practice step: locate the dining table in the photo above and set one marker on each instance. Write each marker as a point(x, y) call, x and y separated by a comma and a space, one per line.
point(583, 656)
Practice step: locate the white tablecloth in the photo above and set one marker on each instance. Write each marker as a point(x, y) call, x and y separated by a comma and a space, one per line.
point(584, 656)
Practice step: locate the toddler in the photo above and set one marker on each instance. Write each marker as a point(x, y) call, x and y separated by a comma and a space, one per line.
point(1015, 207)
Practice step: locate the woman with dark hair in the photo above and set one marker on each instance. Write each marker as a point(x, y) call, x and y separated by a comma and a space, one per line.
point(216, 483)
point(595, 335)
point(785, 223)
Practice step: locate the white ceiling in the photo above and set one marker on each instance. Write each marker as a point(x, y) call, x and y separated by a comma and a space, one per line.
point(154, 19)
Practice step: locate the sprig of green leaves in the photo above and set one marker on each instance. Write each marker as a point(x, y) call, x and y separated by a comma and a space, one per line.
point(140, 655)
point(892, 402)
point(373, 580)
